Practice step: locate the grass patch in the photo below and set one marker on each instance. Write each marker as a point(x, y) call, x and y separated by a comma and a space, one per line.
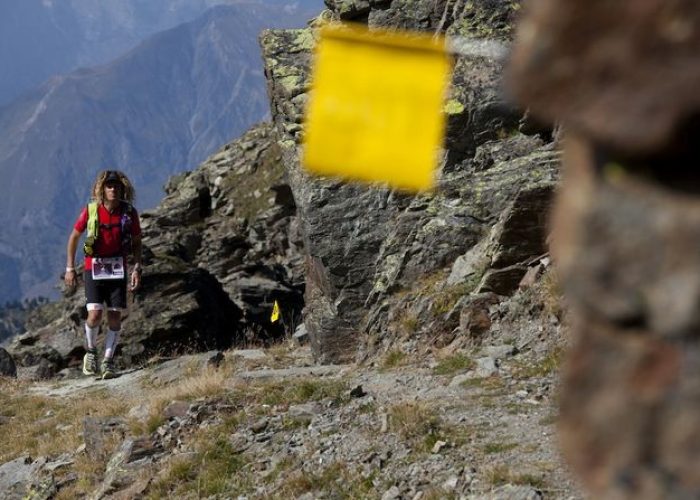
point(409, 324)
point(492, 386)
point(534, 480)
point(494, 447)
point(501, 475)
point(280, 354)
point(35, 420)
point(551, 294)
point(413, 420)
point(498, 475)
point(549, 419)
point(424, 285)
point(90, 471)
point(293, 423)
point(446, 299)
point(434, 493)
point(153, 422)
point(516, 408)
point(495, 384)
point(367, 407)
point(472, 382)
point(393, 359)
point(196, 384)
point(231, 423)
point(422, 426)
point(550, 363)
point(215, 469)
point(454, 364)
point(337, 480)
point(295, 391)
point(281, 468)
point(486, 399)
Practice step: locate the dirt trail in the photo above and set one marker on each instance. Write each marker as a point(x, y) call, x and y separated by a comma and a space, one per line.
point(487, 431)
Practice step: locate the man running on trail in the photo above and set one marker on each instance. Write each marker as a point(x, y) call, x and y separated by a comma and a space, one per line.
point(113, 231)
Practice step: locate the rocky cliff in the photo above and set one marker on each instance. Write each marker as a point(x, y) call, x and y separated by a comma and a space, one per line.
point(368, 249)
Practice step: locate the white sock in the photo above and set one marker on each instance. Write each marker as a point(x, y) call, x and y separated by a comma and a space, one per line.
point(91, 335)
point(111, 343)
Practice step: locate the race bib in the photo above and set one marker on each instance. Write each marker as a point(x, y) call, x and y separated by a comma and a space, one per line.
point(108, 268)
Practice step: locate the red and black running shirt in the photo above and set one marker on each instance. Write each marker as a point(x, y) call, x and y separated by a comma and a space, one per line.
point(109, 241)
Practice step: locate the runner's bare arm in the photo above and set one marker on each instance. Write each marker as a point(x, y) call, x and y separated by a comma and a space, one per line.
point(136, 273)
point(72, 246)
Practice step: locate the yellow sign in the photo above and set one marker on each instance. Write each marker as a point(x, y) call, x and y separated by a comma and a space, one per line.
point(375, 110)
point(275, 313)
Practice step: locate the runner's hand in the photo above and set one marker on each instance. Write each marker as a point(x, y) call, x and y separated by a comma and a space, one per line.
point(69, 279)
point(135, 280)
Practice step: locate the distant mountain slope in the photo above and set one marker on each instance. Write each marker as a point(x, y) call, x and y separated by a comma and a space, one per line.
point(158, 110)
point(41, 38)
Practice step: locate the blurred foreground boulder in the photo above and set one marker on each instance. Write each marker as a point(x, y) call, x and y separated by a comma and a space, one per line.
point(622, 77)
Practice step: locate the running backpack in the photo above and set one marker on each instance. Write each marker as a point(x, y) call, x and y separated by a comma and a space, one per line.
point(94, 226)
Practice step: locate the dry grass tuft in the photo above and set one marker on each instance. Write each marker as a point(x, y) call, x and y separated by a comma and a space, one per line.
point(294, 392)
point(337, 480)
point(417, 424)
point(501, 474)
point(456, 363)
point(393, 359)
point(44, 426)
point(542, 367)
point(210, 382)
point(551, 294)
point(498, 447)
point(215, 469)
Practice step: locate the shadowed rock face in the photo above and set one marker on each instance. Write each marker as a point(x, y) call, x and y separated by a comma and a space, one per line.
point(364, 244)
point(235, 218)
point(7, 364)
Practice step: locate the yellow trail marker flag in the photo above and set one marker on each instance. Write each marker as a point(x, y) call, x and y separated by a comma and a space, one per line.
point(375, 110)
point(275, 313)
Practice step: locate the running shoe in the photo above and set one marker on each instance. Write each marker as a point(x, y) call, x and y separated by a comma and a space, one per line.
point(108, 370)
point(90, 362)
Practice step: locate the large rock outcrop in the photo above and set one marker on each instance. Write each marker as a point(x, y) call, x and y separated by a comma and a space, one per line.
point(364, 244)
point(235, 218)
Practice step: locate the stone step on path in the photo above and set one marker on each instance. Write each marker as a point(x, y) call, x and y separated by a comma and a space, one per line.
point(126, 382)
point(131, 380)
point(302, 371)
point(171, 371)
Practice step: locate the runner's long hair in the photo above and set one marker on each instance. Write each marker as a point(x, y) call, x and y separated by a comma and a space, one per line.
point(127, 191)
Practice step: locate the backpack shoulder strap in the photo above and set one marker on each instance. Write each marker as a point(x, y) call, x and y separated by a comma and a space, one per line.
point(93, 222)
point(93, 228)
